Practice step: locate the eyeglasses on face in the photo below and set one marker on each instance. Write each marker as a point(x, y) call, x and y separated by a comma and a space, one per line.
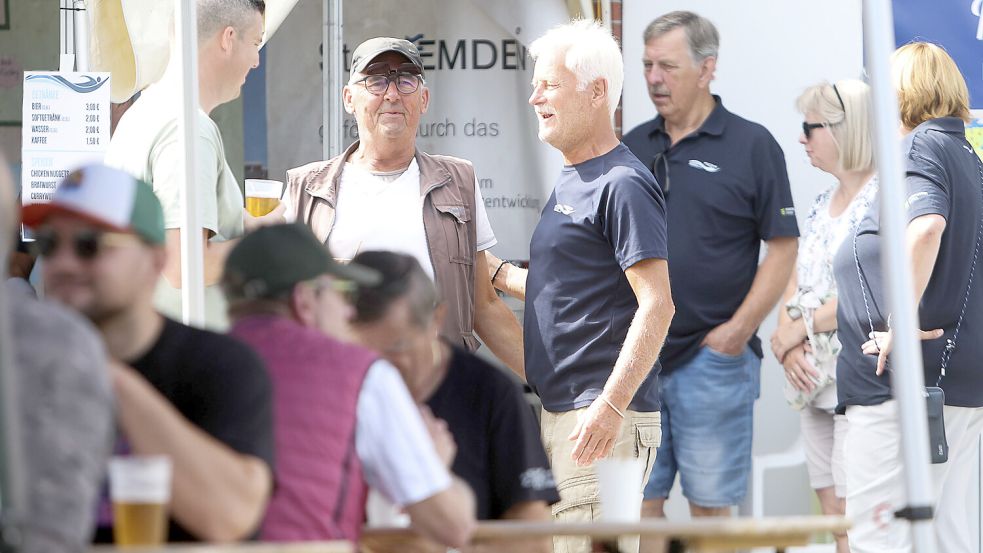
point(378, 76)
point(86, 244)
point(807, 128)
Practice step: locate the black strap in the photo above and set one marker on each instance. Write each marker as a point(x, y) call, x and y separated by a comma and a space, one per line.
point(339, 507)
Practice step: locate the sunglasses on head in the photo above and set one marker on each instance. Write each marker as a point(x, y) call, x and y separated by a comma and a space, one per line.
point(86, 244)
point(378, 76)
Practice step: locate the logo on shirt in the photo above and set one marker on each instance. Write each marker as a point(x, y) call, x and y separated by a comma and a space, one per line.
point(787, 212)
point(564, 209)
point(703, 165)
point(914, 198)
point(537, 478)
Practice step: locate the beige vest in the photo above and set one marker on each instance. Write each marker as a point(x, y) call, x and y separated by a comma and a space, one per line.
point(447, 187)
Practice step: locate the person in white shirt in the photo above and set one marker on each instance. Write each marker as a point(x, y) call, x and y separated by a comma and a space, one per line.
point(383, 193)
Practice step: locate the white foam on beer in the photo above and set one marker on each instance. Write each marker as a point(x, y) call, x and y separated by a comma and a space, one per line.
point(140, 479)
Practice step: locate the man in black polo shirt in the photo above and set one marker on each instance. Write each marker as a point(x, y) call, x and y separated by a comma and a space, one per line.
point(726, 190)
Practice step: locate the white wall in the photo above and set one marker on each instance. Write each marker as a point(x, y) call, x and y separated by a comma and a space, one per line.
point(770, 50)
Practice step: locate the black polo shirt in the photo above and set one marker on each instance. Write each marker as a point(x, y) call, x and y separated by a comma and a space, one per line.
point(726, 190)
point(943, 177)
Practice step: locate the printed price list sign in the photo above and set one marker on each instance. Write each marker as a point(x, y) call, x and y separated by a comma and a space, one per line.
point(65, 125)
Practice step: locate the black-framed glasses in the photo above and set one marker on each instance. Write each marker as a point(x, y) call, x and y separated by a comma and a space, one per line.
point(378, 76)
point(86, 244)
point(838, 97)
point(807, 128)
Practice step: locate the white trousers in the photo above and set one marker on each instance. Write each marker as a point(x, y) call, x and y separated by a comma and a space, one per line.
point(876, 488)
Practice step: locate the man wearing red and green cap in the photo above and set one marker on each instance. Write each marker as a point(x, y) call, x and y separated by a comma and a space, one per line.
point(201, 398)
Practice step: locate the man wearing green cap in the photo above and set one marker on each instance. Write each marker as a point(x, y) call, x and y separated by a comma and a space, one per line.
point(384, 194)
point(201, 398)
point(344, 418)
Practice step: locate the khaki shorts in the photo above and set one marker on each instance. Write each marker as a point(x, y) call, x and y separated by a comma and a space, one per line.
point(579, 500)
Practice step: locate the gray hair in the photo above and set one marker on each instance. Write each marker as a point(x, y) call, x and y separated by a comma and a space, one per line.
point(591, 53)
point(704, 40)
point(215, 15)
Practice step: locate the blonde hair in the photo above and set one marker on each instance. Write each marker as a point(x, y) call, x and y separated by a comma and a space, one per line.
point(928, 83)
point(850, 124)
point(590, 53)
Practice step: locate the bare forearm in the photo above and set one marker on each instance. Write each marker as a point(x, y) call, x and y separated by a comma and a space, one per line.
point(214, 254)
point(447, 517)
point(506, 277)
point(769, 282)
point(218, 494)
point(501, 332)
point(923, 237)
point(640, 351)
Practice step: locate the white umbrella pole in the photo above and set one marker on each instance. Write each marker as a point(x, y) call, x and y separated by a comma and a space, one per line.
point(81, 36)
point(192, 248)
point(906, 359)
point(332, 63)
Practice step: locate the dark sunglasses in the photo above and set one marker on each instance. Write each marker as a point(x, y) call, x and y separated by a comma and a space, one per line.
point(86, 244)
point(378, 76)
point(807, 128)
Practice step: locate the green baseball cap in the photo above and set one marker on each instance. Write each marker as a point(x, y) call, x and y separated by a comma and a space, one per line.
point(371, 48)
point(273, 259)
point(106, 197)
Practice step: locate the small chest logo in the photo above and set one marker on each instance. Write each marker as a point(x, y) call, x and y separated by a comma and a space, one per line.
point(563, 209)
point(703, 166)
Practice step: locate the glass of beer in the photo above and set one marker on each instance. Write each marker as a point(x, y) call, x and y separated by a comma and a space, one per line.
point(140, 488)
point(262, 196)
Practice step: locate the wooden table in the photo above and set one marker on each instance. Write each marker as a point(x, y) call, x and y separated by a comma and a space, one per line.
point(702, 535)
point(302, 547)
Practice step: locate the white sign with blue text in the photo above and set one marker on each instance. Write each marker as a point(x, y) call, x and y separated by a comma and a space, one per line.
point(65, 125)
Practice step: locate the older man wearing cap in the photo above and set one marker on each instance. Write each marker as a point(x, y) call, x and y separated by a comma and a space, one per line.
point(201, 398)
point(383, 193)
point(344, 418)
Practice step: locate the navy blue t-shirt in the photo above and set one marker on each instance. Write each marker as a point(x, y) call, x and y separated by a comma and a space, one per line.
point(604, 215)
point(943, 178)
point(726, 190)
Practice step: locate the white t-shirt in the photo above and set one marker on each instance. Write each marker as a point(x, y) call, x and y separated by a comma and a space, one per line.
point(145, 145)
point(374, 212)
point(398, 457)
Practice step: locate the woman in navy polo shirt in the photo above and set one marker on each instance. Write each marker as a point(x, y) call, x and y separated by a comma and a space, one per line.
point(944, 179)
point(837, 138)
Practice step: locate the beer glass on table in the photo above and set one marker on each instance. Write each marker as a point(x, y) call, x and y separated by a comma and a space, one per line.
point(140, 489)
point(262, 196)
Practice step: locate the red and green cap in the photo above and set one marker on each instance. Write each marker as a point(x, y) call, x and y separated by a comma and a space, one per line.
point(106, 197)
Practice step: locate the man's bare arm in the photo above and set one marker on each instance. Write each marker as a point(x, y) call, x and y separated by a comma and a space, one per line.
point(510, 279)
point(771, 279)
point(495, 323)
point(214, 253)
point(649, 280)
point(219, 495)
point(597, 431)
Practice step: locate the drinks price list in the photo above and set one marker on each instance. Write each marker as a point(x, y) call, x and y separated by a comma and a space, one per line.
point(65, 125)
